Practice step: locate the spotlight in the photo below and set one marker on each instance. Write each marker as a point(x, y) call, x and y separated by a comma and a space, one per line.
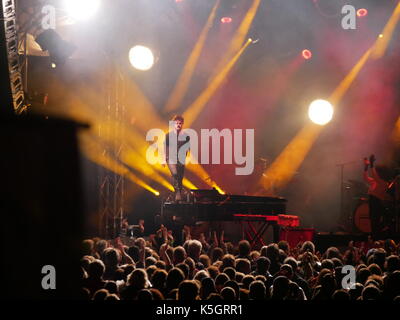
point(141, 58)
point(59, 50)
point(226, 20)
point(307, 54)
point(381, 35)
point(320, 112)
point(362, 12)
point(81, 10)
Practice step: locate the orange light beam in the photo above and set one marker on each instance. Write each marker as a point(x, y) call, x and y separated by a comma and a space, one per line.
point(286, 164)
point(345, 84)
point(94, 151)
point(240, 35)
point(197, 106)
point(182, 84)
point(382, 43)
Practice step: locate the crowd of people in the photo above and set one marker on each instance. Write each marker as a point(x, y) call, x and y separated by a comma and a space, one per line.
point(210, 268)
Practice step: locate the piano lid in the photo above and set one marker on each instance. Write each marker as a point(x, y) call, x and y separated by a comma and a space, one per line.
point(208, 195)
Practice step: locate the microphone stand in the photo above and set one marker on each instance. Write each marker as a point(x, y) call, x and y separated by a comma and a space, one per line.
point(342, 165)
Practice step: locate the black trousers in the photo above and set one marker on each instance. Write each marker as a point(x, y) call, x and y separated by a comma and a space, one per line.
point(177, 172)
point(376, 211)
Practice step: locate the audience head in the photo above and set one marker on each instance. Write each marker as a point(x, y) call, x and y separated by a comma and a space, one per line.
point(228, 293)
point(280, 288)
point(138, 279)
point(228, 260)
point(174, 278)
point(96, 269)
point(188, 290)
point(194, 248)
point(207, 287)
point(220, 281)
point(216, 254)
point(179, 255)
point(257, 290)
point(244, 248)
point(243, 266)
point(341, 295)
point(308, 246)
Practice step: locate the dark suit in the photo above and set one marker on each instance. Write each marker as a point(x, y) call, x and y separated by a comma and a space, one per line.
point(176, 167)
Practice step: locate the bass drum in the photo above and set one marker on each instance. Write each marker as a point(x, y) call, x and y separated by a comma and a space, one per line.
point(362, 220)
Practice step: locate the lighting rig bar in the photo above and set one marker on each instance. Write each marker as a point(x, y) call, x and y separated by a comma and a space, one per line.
point(11, 84)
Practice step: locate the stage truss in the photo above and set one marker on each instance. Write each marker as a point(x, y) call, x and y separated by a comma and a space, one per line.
point(111, 184)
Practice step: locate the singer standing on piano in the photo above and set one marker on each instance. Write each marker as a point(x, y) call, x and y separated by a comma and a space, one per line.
point(176, 147)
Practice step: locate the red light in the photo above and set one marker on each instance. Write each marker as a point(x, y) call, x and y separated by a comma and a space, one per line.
point(362, 12)
point(226, 20)
point(307, 54)
point(178, 0)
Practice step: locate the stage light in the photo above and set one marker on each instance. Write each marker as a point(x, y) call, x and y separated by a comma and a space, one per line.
point(141, 58)
point(226, 20)
point(320, 112)
point(381, 35)
point(362, 12)
point(307, 54)
point(81, 10)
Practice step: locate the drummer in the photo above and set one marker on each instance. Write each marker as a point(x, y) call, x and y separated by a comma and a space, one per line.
point(378, 196)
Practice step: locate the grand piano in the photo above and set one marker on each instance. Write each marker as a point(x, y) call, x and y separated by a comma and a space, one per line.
point(210, 205)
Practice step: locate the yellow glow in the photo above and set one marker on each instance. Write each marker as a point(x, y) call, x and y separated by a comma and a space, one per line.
point(240, 35)
point(95, 152)
point(186, 183)
point(320, 112)
point(118, 132)
point(339, 92)
point(135, 160)
point(396, 132)
point(141, 58)
point(219, 189)
point(197, 106)
point(182, 84)
point(138, 107)
point(384, 38)
point(139, 110)
point(290, 159)
point(199, 171)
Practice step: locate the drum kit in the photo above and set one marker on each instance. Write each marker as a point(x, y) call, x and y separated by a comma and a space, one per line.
point(359, 215)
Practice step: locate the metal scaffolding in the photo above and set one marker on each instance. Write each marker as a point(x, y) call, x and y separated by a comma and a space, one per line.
point(11, 84)
point(111, 184)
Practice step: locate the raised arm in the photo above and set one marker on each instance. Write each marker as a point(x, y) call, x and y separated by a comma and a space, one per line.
point(164, 254)
point(367, 178)
point(374, 174)
point(119, 245)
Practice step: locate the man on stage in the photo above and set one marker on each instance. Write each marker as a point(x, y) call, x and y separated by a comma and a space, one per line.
point(176, 147)
point(378, 196)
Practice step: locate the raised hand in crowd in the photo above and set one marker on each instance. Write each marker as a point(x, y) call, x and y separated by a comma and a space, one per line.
point(121, 248)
